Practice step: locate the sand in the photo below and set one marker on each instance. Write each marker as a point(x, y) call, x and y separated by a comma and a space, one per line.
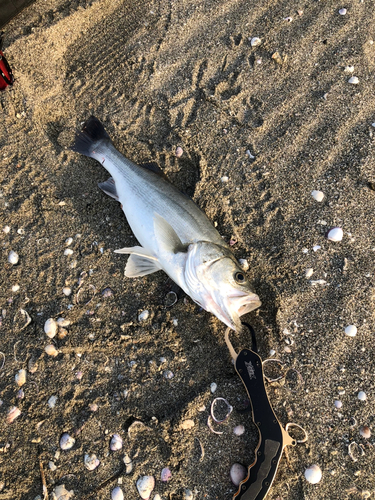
point(162, 75)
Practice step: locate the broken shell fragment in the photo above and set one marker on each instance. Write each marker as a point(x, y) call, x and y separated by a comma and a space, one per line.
point(20, 378)
point(179, 152)
point(317, 195)
point(313, 474)
point(145, 485)
point(128, 464)
point(335, 234)
point(50, 328)
point(13, 413)
point(66, 441)
point(255, 41)
point(61, 493)
point(227, 412)
point(92, 462)
point(351, 331)
point(239, 430)
point(51, 350)
point(353, 80)
point(117, 494)
point(143, 316)
point(237, 473)
point(116, 442)
point(165, 475)
point(13, 257)
point(362, 396)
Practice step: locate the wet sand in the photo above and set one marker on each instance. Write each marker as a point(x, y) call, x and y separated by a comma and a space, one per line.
point(162, 75)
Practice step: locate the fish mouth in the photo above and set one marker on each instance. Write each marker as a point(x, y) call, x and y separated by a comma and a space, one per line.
point(238, 304)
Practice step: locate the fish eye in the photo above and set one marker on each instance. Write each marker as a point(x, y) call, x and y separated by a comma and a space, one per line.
point(240, 278)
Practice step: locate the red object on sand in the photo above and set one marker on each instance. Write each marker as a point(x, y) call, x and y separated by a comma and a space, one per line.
point(6, 76)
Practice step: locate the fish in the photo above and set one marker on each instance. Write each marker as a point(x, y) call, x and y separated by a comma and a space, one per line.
point(174, 234)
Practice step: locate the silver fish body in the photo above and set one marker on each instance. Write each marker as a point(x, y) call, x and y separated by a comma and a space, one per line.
point(174, 234)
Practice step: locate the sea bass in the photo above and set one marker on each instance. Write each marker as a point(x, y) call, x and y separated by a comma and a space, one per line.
point(174, 234)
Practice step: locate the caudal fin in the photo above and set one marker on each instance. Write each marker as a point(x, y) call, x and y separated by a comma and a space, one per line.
point(91, 134)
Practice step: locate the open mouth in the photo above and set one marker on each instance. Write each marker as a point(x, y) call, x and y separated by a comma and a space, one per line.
point(243, 303)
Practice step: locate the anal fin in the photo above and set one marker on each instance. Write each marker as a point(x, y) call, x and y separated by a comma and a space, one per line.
point(109, 187)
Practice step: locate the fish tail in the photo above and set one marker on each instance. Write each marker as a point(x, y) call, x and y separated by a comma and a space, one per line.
point(88, 138)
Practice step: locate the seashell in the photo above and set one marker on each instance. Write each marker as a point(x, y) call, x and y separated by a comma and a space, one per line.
point(362, 396)
point(128, 464)
point(335, 234)
point(50, 328)
point(68, 241)
point(51, 466)
point(63, 332)
point(51, 350)
point(145, 485)
point(255, 41)
point(66, 441)
point(351, 330)
point(317, 195)
point(239, 430)
point(316, 248)
point(289, 19)
point(13, 257)
point(116, 442)
point(68, 251)
point(63, 322)
point(188, 495)
point(168, 374)
point(20, 394)
point(355, 451)
point(228, 410)
point(353, 80)
point(137, 426)
point(342, 12)
point(32, 365)
point(338, 404)
point(20, 378)
point(6, 229)
point(67, 291)
point(92, 462)
point(165, 475)
point(313, 474)
point(309, 273)
point(213, 387)
point(157, 497)
point(244, 264)
point(349, 69)
point(365, 432)
point(117, 494)
point(143, 316)
point(13, 413)
point(107, 292)
point(15, 288)
point(61, 493)
point(237, 473)
point(187, 424)
point(93, 407)
point(52, 401)
point(179, 152)
point(225, 178)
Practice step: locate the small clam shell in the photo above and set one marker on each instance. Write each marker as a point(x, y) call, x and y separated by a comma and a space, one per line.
point(66, 441)
point(52, 401)
point(117, 494)
point(365, 432)
point(179, 152)
point(362, 396)
point(255, 41)
point(92, 462)
point(239, 430)
point(143, 316)
point(335, 234)
point(145, 485)
point(13, 257)
point(165, 475)
point(20, 378)
point(13, 413)
point(313, 474)
point(351, 331)
point(237, 473)
point(50, 328)
point(213, 387)
point(63, 322)
point(317, 195)
point(116, 442)
point(353, 80)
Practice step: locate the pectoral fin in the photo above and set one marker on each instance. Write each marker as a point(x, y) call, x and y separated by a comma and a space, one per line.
point(140, 263)
point(166, 236)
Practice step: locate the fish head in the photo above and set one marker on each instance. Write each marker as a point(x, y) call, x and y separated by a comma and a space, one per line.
point(216, 282)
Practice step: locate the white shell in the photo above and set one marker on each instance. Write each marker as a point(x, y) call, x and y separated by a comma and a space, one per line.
point(51, 350)
point(224, 178)
point(351, 330)
point(213, 387)
point(117, 494)
point(52, 401)
point(179, 152)
point(342, 12)
point(362, 396)
point(145, 485)
point(316, 248)
point(66, 441)
point(51, 466)
point(239, 430)
point(20, 378)
point(338, 404)
point(237, 473)
point(335, 234)
point(187, 495)
point(67, 291)
point(15, 288)
point(143, 315)
point(255, 41)
point(92, 462)
point(63, 322)
point(309, 273)
point(13, 257)
point(50, 328)
point(349, 69)
point(13, 413)
point(317, 195)
point(68, 241)
point(68, 251)
point(353, 80)
point(61, 493)
point(313, 474)
point(116, 442)
point(244, 264)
